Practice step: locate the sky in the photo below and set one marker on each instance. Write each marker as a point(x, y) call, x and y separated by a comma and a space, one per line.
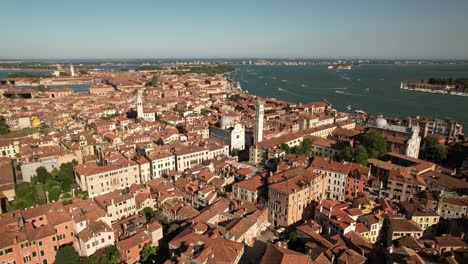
point(420, 29)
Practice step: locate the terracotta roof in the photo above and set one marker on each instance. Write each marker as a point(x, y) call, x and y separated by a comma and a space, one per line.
point(278, 255)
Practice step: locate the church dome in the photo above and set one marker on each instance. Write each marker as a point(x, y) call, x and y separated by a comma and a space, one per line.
point(380, 122)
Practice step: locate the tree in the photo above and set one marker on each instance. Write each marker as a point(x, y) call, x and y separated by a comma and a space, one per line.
point(25, 196)
point(306, 147)
point(149, 253)
point(4, 127)
point(54, 193)
point(234, 152)
point(110, 255)
point(286, 148)
point(203, 112)
point(160, 142)
point(42, 174)
point(385, 239)
point(149, 214)
point(153, 82)
point(432, 150)
point(66, 255)
point(375, 144)
point(66, 176)
point(357, 154)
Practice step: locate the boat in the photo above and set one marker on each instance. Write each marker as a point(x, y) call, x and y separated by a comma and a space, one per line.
point(340, 67)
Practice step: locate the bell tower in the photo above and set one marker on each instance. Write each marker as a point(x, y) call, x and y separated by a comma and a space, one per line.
point(258, 130)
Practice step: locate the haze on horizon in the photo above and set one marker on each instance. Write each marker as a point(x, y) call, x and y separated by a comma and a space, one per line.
point(47, 29)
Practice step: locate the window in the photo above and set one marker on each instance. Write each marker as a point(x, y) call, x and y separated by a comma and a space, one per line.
point(42, 253)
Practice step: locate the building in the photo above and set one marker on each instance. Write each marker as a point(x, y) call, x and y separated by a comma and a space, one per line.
point(7, 178)
point(7, 149)
point(426, 218)
point(189, 156)
point(401, 227)
point(101, 89)
point(162, 162)
point(97, 180)
point(336, 217)
point(400, 139)
point(290, 194)
point(249, 189)
point(453, 208)
point(278, 255)
point(117, 204)
point(139, 104)
point(233, 136)
point(336, 174)
point(448, 128)
point(258, 129)
point(374, 224)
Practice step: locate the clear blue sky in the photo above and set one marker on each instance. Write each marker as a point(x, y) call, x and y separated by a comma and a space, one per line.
point(234, 28)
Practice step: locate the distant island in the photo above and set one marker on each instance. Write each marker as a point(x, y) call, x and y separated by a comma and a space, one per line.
point(449, 86)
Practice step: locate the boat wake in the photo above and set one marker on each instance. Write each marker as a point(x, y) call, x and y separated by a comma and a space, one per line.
point(346, 93)
point(284, 80)
point(346, 78)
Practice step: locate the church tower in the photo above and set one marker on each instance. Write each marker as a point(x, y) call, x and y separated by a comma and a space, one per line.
point(139, 104)
point(258, 131)
point(72, 70)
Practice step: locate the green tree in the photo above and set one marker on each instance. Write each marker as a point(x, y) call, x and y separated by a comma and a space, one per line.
point(42, 174)
point(66, 255)
point(306, 147)
point(159, 142)
point(153, 82)
point(4, 127)
point(66, 176)
point(25, 196)
point(234, 152)
point(149, 253)
point(357, 154)
point(204, 112)
point(375, 144)
point(295, 243)
point(54, 193)
point(149, 214)
point(432, 150)
point(286, 148)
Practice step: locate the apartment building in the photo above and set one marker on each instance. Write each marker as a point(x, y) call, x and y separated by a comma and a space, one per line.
point(290, 194)
point(374, 224)
point(97, 180)
point(453, 207)
point(117, 204)
point(336, 174)
point(162, 162)
point(426, 219)
point(250, 189)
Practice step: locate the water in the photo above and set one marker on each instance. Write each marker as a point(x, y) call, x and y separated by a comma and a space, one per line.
point(372, 88)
